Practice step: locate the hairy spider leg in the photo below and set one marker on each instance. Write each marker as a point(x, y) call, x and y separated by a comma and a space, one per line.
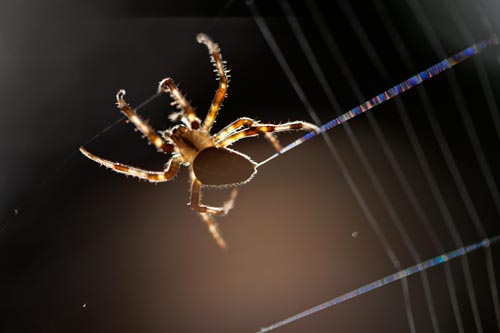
point(396, 90)
point(220, 94)
point(170, 171)
point(245, 122)
point(214, 230)
point(142, 126)
point(212, 226)
point(201, 208)
point(233, 127)
point(274, 141)
point(167, 85)
point(267, 128)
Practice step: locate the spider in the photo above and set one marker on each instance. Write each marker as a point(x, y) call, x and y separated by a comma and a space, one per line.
point(210, 161)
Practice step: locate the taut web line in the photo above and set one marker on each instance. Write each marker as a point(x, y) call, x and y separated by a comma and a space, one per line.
point(386, 280)
point(392, 92)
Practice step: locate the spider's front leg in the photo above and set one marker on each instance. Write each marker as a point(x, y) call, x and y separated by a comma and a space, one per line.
point(152, 176)
point(142, 126)
point(220, 94)
point(267, 129)
point(167, 85)
point(244, 122)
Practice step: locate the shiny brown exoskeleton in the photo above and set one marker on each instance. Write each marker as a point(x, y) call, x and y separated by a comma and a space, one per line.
point(191, 144)
point(222, 167)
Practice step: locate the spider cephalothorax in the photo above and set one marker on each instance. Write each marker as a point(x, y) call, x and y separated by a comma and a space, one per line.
point(191, 144)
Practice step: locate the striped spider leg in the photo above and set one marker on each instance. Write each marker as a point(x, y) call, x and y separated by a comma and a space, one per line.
point(227, 138)
point(161, 145)
point(209, 160)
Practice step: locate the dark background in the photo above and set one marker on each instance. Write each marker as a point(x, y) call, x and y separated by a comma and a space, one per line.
point(87, 250)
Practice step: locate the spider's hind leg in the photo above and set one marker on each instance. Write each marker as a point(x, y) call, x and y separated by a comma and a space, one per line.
point(206, 212)
point(214, 230)
point(142, 126)
point(201, 208)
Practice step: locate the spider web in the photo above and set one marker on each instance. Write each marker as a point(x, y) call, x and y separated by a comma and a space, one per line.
point(389, 154)
point(95, 251)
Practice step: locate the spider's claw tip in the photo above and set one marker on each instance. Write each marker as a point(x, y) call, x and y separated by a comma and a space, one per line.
point(119, 96)
point(84, 151)
point(163, 85)
point(200, 37)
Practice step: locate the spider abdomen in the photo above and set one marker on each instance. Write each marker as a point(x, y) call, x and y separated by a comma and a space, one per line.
point(222, 166)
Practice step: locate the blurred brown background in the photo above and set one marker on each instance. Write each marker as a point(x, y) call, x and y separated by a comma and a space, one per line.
point(93, 251)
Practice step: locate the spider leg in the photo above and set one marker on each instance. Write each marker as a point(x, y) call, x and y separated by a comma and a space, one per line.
point(199, 207)
point(151, 176)
point(167, 85)
point(205, 211)
point(266, 128)
point(214, 230)
point(234, 126)
point(244, 122)
point(142, 126)
point(220, 94)
point(274, 141)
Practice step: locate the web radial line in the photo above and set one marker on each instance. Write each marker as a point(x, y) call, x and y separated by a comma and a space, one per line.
point(122, 118)
point(460, 252)
point(453, 166)
point(469, 127)
point(330, 41)
point(271, 42)
point(394, 35)
point(413, 81)
point(449, 221)
point(485, 84)
point(495, 115)
point(479, 64)
point(489, 255)
point(37, 188)
point(400, 46)
point(463, 110)
point(261, 24)
point(490, 23)
point(219, 15)
point(394, 216)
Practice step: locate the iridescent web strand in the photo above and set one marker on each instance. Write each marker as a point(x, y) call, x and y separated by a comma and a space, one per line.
point(393, 92)
point(387, 280)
